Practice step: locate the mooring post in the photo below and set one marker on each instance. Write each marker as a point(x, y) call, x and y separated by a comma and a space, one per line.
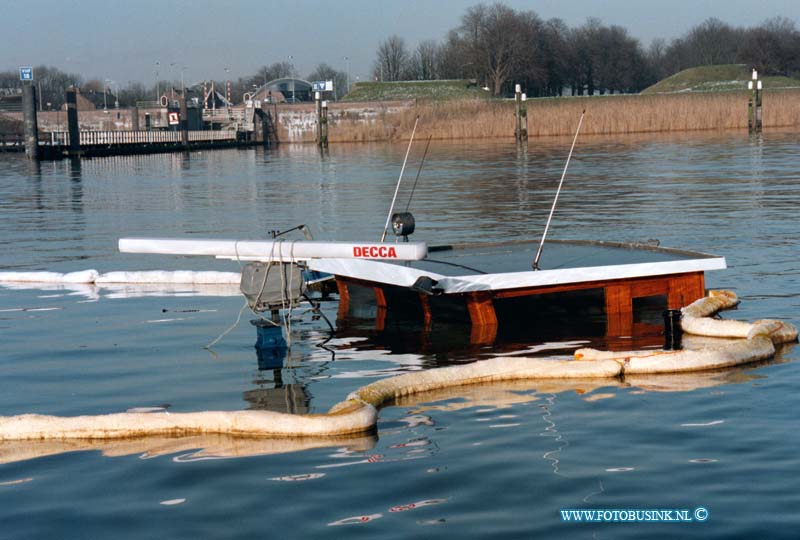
point(318, 104)
point(324, 124)
point(758, 107)
point(754, 115)
point(30, 120)
point(72, 122)
point(524, 113)
point(184, 123)
point(518, 112)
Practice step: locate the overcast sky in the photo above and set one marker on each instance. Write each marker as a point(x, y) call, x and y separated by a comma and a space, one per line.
point(123, 40)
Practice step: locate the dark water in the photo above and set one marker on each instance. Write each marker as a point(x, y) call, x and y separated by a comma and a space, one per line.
point(496, 461)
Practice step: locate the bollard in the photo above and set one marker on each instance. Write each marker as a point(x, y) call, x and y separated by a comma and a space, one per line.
point(31, 122)
point(72, 122)
point(324, 125)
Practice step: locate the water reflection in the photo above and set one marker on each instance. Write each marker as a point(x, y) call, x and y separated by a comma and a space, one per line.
point(201, 447)
point(76, 191)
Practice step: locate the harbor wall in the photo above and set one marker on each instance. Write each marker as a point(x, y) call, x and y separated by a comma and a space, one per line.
point(99, 120)
point(348, 122)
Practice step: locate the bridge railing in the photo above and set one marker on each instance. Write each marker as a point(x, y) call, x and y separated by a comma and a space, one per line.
point(61, 138)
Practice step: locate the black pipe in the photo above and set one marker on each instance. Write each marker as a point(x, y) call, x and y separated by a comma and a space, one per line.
point(672, 329)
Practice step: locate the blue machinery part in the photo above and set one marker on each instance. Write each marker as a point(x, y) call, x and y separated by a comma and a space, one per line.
point(271, 347)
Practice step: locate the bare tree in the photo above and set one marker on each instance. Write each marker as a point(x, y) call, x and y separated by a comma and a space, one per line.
point(135, 91)
point(454, 60)
point(392, 59)
point(711, 42)
point(424, 64)
point(655, 58)
point(773, 47)
point(494, 40)
point(714, 42)
point(555, 56)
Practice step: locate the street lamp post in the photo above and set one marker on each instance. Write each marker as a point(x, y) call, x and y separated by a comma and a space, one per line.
point(291, 73)
point(347, 60)
point(172, 80)
point(228, 88)
point(155, 71)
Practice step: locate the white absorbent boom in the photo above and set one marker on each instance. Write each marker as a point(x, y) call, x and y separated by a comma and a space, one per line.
point(275, 250)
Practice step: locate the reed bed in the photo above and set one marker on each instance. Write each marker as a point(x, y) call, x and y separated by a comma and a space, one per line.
point(605, 115)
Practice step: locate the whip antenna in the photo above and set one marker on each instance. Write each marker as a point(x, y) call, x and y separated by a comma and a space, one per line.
point(397, 188)
point(558, 192)
point(421, 163)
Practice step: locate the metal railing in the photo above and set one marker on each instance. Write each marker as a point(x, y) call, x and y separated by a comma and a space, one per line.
point(61, 138)
point(224, 114)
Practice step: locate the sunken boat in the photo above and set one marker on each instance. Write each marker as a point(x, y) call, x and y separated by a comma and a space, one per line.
point(618, 289)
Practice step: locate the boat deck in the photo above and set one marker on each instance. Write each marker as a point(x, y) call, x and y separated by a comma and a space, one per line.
point(491, 285)
point(470, 259)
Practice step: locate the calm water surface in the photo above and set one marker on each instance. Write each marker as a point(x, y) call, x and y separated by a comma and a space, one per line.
point(495, 461)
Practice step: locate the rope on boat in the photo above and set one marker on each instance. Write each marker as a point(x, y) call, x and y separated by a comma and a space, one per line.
point(359, 412)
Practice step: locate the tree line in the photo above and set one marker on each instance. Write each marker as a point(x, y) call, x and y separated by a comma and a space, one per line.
point(499, 46)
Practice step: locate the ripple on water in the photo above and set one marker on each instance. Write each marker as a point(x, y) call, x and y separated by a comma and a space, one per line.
point(729, 451)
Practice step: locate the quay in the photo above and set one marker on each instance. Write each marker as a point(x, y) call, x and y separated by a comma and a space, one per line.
point(107, 143)
point(173, 124)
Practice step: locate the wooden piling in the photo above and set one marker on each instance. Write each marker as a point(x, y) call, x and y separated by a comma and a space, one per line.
point(135, 118)
point(521, 114)
point(754, 114)
point(318, 104)
point(324, 125)
point(31, 122)
point(184, 122)
point(72, 122)
point(758, 107)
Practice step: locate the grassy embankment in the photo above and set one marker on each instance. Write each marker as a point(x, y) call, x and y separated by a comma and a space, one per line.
point(405, 90)
point(728, 77)
point(652, 112)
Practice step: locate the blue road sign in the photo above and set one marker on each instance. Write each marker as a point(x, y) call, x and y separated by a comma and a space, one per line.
point(26, 73)
point(318, 86)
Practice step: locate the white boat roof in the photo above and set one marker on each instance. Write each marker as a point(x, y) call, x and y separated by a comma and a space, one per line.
point(461, 270)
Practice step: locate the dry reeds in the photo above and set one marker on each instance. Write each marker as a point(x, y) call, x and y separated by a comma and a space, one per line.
point(620, 114)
